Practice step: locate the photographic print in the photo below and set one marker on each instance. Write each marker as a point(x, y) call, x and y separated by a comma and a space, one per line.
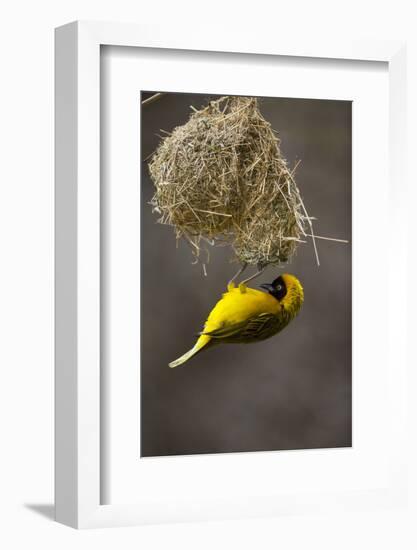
point(246, 303)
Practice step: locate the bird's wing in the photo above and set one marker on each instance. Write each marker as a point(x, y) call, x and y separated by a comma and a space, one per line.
point(259, 326)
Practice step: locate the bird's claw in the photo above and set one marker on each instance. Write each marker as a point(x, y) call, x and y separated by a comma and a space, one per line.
point(243, 288)
point(230, 286)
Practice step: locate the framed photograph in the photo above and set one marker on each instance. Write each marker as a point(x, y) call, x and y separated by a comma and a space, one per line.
point(226, 341)
point(231, 404)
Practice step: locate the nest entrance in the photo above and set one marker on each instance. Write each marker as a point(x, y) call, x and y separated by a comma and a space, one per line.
point(221, 177)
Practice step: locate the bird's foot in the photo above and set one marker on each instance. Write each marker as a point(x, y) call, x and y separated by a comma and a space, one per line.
point(231, 284)
point(243, 288)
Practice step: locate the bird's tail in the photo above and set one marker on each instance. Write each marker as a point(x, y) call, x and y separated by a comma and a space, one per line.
point(200, 344)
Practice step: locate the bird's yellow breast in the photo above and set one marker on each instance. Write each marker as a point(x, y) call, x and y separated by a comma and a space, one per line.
point(236, 306)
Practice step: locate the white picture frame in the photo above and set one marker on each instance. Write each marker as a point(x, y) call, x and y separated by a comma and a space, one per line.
point(78, 321)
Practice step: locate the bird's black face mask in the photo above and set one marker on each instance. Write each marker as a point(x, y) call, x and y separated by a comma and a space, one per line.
point(277, 288)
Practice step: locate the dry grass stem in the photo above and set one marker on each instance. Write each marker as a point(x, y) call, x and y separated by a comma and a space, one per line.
point(153, 98)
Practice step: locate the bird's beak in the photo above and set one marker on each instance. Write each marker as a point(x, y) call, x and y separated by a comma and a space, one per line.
point(267, 286)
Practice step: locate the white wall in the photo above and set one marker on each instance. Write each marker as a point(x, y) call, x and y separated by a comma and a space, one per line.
point(26, 269)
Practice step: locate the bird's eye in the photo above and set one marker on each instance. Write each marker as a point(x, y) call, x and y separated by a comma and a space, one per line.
point(279, 287)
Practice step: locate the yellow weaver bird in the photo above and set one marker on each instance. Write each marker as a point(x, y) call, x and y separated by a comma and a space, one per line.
point(244, 315)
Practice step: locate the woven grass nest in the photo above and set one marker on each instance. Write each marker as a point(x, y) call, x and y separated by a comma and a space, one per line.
point(221, 178)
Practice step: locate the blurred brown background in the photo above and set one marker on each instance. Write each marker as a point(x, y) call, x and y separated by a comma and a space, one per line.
point(292, 391)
